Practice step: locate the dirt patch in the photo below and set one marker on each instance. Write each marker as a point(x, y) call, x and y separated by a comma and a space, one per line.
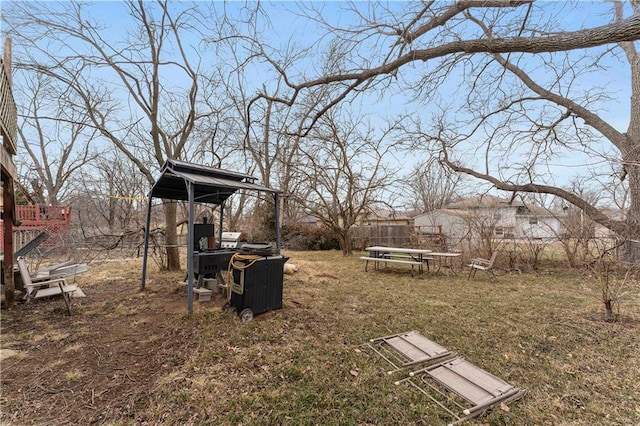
point(97, 364)
point(621, 320)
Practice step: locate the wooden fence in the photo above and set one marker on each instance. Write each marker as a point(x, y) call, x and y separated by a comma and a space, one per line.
point(397, 236)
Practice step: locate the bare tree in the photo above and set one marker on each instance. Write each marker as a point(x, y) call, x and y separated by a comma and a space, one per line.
point(612, 283)
point(482, 233)
point(500, 46)
point(268, 145)
point(568, 123)
point(111, 197)
point(55, 139)
point(256, 143)
point(343, 163)
point(578, 230)
point(128, 86)
point(432, 187)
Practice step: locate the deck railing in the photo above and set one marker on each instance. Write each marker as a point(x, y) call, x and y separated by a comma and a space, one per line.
point(36, 219)
point(42, 216)
point(8, 112)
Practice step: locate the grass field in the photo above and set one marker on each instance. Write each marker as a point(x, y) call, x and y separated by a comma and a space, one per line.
point(131, 357)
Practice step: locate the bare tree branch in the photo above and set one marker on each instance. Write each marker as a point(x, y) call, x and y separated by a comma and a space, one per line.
point(618, 226)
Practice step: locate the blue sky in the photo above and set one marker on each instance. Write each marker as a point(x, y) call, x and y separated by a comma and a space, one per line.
point(287, 28)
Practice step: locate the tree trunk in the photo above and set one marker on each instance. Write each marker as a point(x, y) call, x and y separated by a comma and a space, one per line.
point(609, 316)
point(632, 167)
point(171, 240)
point(344, 237)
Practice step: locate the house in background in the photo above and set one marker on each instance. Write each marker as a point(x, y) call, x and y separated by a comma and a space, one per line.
point(600, 231)
point(455, 224)
point(309, 221)
point(501, 217)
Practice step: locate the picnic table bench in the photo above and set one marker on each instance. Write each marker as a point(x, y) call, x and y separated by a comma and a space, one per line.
point(397, 255)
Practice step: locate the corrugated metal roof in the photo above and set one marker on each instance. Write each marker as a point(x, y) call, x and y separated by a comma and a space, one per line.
point(211, 185)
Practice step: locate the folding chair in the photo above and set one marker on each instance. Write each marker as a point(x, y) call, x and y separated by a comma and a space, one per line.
point(36, 288)
point(462, 389)
point(482, 265)
point(407, 349)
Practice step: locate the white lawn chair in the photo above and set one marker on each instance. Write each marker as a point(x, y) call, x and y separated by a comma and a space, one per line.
point(482, 265)
point(37, 288)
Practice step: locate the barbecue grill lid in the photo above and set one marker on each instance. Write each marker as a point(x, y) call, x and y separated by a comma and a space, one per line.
point(211, 185)
point(260, 249)
point(231, 236)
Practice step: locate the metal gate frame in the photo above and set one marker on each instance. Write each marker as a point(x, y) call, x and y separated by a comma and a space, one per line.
point(462, 389)
point(406, 349)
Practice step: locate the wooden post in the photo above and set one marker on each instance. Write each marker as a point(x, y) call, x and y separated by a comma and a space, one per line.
point(7, 222)
point(7, 193)
point(7, 60)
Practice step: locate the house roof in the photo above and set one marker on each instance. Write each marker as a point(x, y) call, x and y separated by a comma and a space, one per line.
point(540, 211)
point(382, 214)
point(451, 212)
point(490, 201)
point(308, 219)
point(484, 200)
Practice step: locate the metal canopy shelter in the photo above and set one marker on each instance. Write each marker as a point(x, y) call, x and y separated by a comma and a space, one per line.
point(202, 184)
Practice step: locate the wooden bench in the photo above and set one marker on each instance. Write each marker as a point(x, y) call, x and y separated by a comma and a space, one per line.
point(388, 260)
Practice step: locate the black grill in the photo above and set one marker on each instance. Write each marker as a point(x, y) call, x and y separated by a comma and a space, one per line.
point(209, 263)
point(258, 249)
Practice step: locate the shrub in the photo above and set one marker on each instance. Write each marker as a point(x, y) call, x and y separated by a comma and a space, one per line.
point(301, 236)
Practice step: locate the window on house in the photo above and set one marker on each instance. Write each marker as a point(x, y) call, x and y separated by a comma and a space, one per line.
point(498, 231)
point(533, 221)
point(497, 215)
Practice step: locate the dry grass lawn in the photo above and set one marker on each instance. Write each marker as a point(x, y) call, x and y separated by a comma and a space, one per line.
point(126, 357)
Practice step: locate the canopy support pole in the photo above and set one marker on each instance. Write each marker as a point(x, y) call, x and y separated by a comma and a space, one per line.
point(146, 243)
point(219, 241)
point(190, 243)
point(277, 220)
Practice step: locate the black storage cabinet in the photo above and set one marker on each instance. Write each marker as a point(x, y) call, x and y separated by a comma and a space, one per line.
point(257, 285)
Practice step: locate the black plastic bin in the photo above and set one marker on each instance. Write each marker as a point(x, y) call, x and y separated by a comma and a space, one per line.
point(257, 284)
